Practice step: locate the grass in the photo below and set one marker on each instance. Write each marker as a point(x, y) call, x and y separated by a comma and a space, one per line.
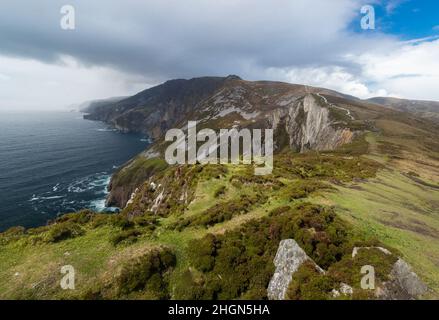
point(398, 212)
point(375, 193)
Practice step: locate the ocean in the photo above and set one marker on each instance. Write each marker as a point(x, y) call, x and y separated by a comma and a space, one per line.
point(57, 162)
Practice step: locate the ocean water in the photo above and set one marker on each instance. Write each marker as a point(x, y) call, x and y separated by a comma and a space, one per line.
point(56, 162)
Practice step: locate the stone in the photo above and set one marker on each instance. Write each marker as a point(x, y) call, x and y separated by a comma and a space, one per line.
point(356, 249)
point(289, 257)
point(404, 284)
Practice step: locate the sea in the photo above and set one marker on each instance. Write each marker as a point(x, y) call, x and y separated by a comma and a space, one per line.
point(56, 162)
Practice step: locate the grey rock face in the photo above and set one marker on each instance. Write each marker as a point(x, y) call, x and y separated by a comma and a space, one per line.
point(309, 126)
point(356, 249)
point(404, 283)
point(289, 257)
point(344, 289)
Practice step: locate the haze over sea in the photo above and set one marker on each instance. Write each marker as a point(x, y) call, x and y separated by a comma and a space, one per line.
point(56, 162)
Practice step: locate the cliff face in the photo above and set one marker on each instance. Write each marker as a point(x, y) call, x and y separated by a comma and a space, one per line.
point(155, 110)
point(229, 102)
point(302, 118)
point(309, 126)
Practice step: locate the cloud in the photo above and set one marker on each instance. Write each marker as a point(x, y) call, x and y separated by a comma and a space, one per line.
point(401, 69)
point(27, 84)
point(172, 38)
point(392, 5)
point(120, 46)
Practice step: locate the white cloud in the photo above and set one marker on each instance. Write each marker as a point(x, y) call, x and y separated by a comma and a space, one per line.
point(120, 47)
point(334, 77)
point(410, 70)
point(402, 69)
point(29, 84)
point(393, 4)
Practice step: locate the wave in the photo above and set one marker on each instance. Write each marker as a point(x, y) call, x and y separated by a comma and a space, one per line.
point(35, 198)
point(90, 183)
point(107, 130)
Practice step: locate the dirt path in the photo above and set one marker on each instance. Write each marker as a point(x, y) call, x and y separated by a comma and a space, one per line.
point(348, 112)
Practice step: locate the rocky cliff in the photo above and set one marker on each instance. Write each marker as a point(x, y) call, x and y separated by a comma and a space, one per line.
point(302, 116)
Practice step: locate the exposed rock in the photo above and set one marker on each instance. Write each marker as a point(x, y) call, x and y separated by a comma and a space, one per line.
point(344, 289)
point(404, 284)
point(289, 257)
point(133, 195)
point(356, 249)
point(309, 127)
point(302, 114)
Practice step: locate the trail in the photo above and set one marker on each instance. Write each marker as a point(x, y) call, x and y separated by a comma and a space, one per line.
point(348, 112)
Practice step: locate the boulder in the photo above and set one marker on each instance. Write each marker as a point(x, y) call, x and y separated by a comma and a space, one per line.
point(404, 284)
point(289, 257)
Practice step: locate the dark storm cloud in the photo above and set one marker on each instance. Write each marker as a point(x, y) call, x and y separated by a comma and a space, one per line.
point(166, 39)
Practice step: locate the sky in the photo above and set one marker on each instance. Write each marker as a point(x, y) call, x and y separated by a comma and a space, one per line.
point(119, 48)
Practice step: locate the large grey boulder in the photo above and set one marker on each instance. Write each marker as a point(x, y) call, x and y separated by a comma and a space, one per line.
point(404, 284)
point(289, 257)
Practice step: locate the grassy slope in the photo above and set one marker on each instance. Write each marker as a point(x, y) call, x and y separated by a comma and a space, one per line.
point(391, 207)
point(33, 271)
point(396, 209)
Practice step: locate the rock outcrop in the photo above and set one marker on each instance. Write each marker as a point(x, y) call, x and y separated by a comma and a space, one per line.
point(309, 126)
point(404, 284)
point(289, 257)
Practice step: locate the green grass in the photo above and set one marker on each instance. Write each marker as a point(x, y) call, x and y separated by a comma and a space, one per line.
point(398, 212)
point(394, 208)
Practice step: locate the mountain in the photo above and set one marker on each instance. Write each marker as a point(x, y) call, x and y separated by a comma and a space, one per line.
point(355, 184)
point(92, 105)
point(157, 109)
point(304, 117)
point(422, 108)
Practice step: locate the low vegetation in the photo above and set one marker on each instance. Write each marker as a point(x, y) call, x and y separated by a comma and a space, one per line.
point(211, 232)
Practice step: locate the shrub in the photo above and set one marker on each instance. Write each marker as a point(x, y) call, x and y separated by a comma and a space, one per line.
point(203, 252)
point(62, 231)
point(239, 263)
point(145, 221)
point(12, 234)
point(223, 211)
point(308, 284)
point(81, 217)
point(303, 188)
point(126, 236)
point(146, 273)
point(100, 219)
point(220, 191)
point(121, 221)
